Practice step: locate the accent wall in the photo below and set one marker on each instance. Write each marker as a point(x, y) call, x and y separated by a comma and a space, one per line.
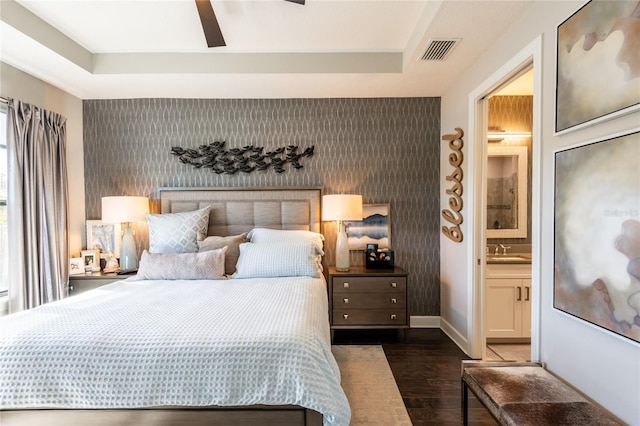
point(386, 149)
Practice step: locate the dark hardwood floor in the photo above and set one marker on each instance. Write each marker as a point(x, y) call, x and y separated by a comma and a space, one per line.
point(427, 371)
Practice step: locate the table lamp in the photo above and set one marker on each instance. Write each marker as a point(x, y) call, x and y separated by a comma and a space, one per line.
point(341, 207)
point(125, 209)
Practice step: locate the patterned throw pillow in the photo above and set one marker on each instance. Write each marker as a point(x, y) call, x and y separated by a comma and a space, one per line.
point(232, 243)
point(177, 232)
point(296, 259)
point(208, 265)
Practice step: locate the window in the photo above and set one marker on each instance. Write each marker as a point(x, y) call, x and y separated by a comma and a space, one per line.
point(4, 244)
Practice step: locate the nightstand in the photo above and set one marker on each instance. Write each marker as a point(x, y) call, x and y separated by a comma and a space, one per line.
point(80, 283)
point(368, 298)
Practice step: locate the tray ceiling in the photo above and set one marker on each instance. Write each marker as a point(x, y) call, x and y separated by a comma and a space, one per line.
point(275, 48)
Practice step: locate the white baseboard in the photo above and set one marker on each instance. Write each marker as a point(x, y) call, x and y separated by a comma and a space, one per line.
point(454, 335)
point(424, 322)
point(442, 324)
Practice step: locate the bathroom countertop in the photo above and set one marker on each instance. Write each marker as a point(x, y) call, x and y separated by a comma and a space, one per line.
point(514, 258)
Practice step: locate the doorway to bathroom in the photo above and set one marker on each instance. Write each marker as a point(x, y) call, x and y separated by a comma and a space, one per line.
point(508, 177)
point(510, 239)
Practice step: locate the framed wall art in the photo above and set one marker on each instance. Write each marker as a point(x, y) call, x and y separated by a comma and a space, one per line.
point(597, 71)
point(374, 228)
point(103, 236)
point(597, 233)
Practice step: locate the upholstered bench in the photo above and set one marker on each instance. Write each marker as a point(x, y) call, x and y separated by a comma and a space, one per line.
point(527, 394)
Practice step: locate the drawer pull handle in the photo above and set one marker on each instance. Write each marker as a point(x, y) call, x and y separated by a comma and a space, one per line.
point(394, 300)
point(345, 316)
point(393, 316)
point(345, 285)
point(345, 300)
point(394, 285)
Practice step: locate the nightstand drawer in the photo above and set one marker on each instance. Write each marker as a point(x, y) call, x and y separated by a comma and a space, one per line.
point(365, 317)
point(369, 284)
point(369, 300)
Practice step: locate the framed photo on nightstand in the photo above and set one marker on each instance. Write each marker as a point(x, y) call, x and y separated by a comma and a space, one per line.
point(91, 260)
point(103, 236)
point(76, 266)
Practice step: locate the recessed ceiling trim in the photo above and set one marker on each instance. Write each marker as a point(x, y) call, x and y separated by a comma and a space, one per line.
point(247, 63)
point(21, 19)
point(439, 48)
point(76, 35)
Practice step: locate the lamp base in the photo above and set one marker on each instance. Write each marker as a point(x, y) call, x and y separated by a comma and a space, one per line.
point(342, 249)
point(128, 252)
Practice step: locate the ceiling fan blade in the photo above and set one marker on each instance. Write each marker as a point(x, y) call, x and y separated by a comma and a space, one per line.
point(210, 25)
point(296, 1)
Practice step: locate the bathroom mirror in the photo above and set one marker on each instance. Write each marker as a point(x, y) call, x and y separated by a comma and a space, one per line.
point(507, 192)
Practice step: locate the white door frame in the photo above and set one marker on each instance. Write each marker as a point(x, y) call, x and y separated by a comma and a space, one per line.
point(531, 54)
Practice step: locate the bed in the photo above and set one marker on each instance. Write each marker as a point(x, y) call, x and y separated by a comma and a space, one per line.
point(161, 349)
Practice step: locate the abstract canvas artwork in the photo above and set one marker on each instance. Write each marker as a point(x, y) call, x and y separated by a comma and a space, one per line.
point(598, 66)
point(597, 233)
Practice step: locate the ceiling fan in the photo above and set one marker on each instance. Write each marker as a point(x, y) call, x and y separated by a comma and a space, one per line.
point(210, 25)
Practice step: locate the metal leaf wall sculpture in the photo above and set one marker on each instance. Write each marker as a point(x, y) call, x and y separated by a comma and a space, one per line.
point(214, 156)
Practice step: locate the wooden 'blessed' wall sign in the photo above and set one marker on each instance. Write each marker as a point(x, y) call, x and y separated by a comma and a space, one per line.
point(453, 214)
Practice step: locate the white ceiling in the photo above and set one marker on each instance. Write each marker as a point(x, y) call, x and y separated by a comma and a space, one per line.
point(275, 49)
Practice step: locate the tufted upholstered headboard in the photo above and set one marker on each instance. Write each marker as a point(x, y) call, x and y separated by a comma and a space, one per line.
point(237, 210)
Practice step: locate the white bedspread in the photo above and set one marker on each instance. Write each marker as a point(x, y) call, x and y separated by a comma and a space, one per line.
point(176, 343)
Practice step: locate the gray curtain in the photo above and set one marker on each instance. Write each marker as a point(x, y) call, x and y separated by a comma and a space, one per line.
point(37, 206)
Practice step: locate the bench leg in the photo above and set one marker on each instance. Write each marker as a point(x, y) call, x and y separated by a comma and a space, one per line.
point(465, 404)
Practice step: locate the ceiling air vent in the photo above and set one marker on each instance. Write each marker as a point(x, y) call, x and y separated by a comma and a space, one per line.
point(439, 48)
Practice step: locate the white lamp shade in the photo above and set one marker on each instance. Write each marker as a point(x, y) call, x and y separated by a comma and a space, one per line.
point(342, 207)
point(124, 209)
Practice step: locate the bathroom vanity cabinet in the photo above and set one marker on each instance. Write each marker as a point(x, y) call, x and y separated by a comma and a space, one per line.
point(508, 301)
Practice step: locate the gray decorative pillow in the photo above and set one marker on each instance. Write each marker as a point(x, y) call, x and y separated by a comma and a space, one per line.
point(177, 232)
point(232, 243)
point(208, 265)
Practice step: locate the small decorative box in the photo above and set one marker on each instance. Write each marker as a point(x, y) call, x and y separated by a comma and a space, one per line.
point(379, 259)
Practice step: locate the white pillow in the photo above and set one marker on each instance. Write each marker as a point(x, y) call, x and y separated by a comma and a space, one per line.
point(177, 232)
point(208, 265)
point(293, 259)
point(264, 235)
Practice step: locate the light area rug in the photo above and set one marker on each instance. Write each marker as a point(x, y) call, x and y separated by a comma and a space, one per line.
point(368, 382)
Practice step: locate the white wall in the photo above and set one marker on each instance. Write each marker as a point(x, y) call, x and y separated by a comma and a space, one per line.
point(19, 85)
point(600, 364)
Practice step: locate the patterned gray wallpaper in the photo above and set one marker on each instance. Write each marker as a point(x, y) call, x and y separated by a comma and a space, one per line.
point(386, 149)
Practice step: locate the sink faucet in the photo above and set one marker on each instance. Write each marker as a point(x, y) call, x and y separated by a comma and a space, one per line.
point(504, 249)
